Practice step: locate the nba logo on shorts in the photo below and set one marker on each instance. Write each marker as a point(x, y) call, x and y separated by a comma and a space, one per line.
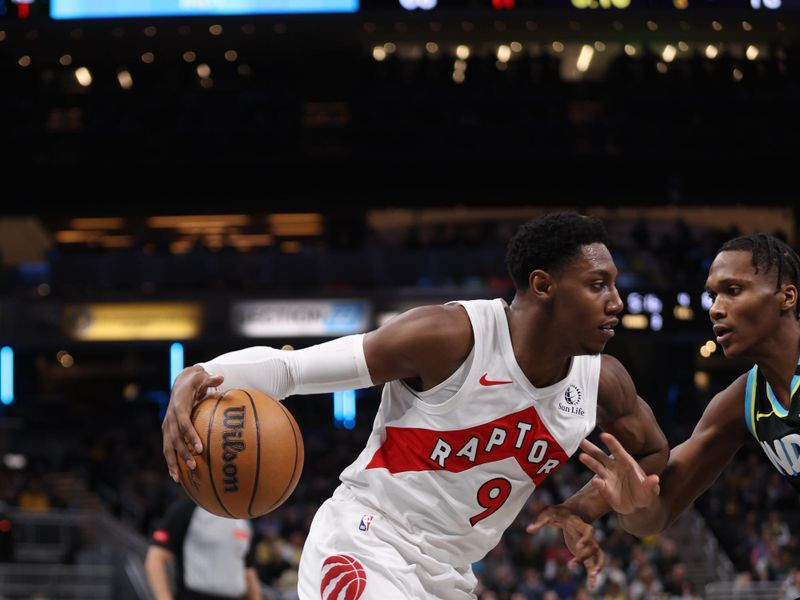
point(366, 520)
point(343, 578)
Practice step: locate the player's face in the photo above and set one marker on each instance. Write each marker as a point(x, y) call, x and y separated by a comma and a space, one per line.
point(745, 309)
point(588, 300)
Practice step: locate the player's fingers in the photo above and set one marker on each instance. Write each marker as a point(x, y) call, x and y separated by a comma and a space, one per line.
point(187, 457)
point(578, 530)
point(591, 574)
point(615, 448)
point(586, 537)
point(169, 450)
point(537, 525)
point(188, 439)
point(172, 463)
point(593, 464)
point(590, 555)
point(591, 580)
point(594, 566)
point(652, 483)
point(545, 519)
point(211, 382)
point(588, 446)
point(598, 483)
point(573, 562)
point(586, 550)
point(596, 453)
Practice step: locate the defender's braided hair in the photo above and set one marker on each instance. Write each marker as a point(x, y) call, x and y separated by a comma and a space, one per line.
point(767, 252)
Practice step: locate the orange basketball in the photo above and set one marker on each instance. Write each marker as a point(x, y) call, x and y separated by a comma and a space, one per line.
point(252, 454)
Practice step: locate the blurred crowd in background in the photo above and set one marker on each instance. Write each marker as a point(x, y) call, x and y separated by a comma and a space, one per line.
point(452, 127)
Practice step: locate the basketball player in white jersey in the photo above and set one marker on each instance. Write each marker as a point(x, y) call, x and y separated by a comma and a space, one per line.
point(482, 401)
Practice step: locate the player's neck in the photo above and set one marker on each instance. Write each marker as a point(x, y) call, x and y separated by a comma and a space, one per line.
point(540, 357)
point(778, 364)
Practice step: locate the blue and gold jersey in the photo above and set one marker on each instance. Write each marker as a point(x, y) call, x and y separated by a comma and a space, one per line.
point(776, 429)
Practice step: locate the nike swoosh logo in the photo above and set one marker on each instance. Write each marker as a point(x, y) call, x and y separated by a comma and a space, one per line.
point(484, 381)
point(760, 415)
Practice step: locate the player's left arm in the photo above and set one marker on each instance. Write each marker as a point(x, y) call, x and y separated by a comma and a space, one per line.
point(621, 412)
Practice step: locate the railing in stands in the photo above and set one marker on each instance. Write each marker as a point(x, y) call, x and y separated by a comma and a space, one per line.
point(22, 581)
point(66, 552)
point(731, 590)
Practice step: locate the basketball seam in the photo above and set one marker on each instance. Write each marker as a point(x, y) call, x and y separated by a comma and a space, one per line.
point(294, 468)
point(258, 454)
point(186, 489)
point(208, 457)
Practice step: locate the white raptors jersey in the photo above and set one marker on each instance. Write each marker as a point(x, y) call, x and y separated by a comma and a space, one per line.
point(454, 475)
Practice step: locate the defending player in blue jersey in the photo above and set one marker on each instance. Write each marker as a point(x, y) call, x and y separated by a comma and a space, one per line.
point(754, 283)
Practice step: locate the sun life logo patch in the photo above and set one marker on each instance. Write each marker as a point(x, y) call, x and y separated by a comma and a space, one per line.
point(572, 395)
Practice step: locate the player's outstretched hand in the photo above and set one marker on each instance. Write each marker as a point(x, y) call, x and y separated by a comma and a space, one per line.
point(578, 536)
point(618, 477)
point(179, 435)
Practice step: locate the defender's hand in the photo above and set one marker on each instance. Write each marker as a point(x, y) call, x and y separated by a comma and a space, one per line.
point(618, 477)
point(179, 435)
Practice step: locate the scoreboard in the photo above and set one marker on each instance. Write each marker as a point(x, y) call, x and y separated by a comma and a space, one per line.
point(109, 9)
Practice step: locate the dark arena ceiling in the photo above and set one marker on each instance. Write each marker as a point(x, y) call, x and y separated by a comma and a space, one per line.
point(459, 101)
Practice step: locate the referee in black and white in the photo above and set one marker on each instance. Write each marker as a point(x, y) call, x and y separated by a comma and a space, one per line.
point(213, 556)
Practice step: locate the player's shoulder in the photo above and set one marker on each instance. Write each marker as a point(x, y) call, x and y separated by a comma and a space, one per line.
point(613, 373)
point(616, 391)
point(611, 364)
point(735, 392)
point(726, 406)
point(438, 319)
point(427, 342)
point(452, 310)
point(725, 414)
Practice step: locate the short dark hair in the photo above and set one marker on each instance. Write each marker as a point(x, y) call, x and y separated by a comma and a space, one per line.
point(767, 252)
point(549, 243)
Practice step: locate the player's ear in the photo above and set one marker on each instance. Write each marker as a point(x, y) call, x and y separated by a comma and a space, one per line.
point(789, 301)
point(540, 282)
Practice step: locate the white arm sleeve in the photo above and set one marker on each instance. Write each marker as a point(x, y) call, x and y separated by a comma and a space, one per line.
point(329, 367)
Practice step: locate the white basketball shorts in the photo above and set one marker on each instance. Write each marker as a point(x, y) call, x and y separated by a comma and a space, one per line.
point(352, 553)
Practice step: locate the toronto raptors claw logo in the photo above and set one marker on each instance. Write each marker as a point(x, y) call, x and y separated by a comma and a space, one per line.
point(343, 578)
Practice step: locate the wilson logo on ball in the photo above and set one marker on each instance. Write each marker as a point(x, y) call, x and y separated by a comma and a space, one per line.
point(233, 424)
point(252, 456)
point(343, 578)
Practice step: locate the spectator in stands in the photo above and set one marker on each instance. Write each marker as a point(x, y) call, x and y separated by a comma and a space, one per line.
point(646, 586)
point(614, 591)
point(531, 587)
point(676, 580)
